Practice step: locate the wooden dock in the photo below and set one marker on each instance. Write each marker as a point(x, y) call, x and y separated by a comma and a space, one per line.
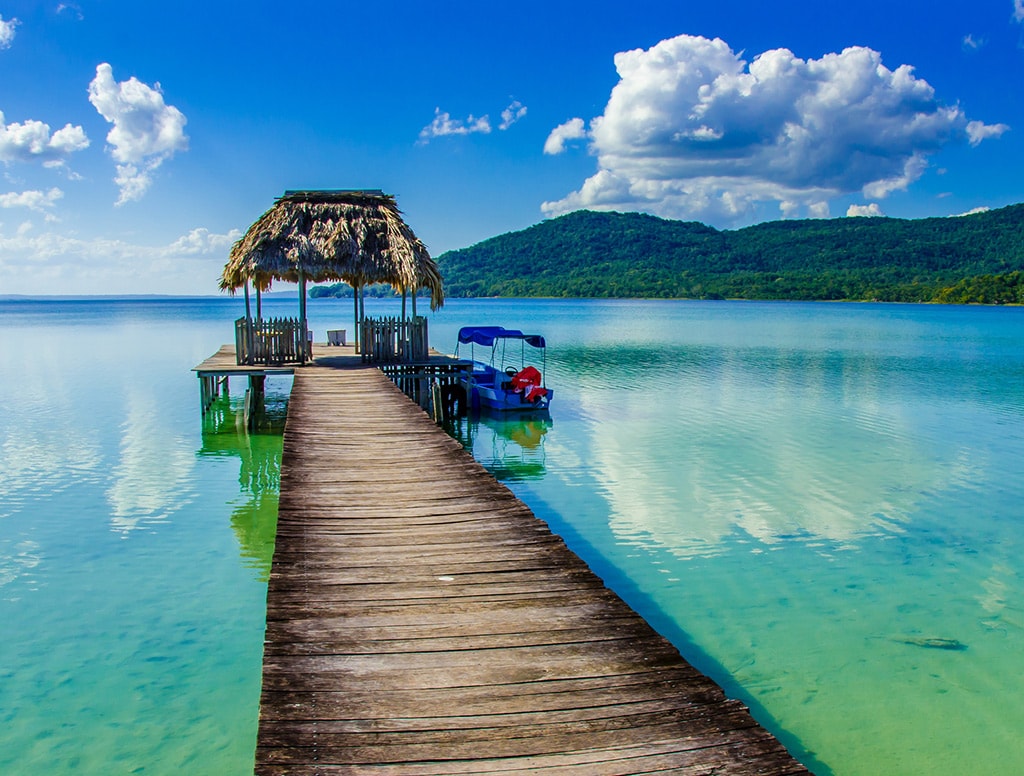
point(421, 620)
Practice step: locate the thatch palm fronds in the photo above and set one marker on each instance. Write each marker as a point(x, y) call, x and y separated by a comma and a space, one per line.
point(357, 237)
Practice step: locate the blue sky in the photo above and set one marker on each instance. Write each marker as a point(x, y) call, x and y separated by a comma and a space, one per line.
point(139, 140)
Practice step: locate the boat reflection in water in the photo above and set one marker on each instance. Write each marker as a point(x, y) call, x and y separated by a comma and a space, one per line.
point(509, 445)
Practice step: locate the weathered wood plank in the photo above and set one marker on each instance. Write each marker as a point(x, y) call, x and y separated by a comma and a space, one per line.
point(421, 620)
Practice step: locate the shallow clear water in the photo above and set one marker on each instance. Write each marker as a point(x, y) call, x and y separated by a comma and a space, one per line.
point(134, 547)
point(819, 504)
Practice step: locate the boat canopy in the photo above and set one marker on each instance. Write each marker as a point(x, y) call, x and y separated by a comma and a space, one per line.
point(488, 335)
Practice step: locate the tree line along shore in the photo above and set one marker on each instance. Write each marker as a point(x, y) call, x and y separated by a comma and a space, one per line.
point(970, 259)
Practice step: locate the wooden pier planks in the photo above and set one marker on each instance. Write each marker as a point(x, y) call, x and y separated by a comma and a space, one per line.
point(421, 620)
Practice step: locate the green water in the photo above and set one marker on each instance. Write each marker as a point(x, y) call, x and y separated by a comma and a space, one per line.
point(809, 500)
point(134, 550)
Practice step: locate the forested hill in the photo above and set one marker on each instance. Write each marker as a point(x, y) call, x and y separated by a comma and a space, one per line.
point(974, 258)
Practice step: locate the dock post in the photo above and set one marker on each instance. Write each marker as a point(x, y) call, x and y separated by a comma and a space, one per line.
point(254, 398)
point(438, 405)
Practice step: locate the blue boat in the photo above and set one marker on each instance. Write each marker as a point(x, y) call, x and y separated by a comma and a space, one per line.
point(503, 381)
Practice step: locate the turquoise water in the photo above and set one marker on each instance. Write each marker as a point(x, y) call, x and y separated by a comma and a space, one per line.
point(810, 500)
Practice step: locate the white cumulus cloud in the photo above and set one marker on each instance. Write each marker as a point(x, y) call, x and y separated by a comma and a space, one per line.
point(146, 130)
point(1018, 10)
point(515, 111)
point(692, 130)
point(444, 125)
point(573, 129)
point(7, 32)
point(32, 141)
point(39, 201)
point(872, 210)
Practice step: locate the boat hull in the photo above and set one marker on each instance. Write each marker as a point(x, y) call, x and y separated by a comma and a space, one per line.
point(487, 391)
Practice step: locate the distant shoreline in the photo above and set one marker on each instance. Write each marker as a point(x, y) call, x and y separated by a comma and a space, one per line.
point(293, 295)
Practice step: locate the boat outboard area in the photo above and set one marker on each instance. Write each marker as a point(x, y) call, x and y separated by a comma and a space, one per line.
point(502, 378)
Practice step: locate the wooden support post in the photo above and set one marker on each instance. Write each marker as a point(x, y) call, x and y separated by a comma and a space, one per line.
point(304, 352)
point(358, 333)
point(254, 400)
point(202, 394)
point(435, 395)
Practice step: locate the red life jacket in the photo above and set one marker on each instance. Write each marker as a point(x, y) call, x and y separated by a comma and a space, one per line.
point(525, 379)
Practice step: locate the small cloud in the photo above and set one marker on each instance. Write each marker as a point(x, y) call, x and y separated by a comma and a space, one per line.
point(146, 130)
point(34, 200)
point(971, 212)
point(32, 141)
point(70, 9)
point(444, 125)
point(978, 131)
point(200, 242)
point(573, 129)
point(970, 44)
point(818, 209)
point(7, 32)
point(1018, 10)
point(512, 114)
point(869, 211)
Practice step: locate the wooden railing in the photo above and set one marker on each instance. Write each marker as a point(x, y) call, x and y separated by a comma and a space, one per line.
point(271, 341)
point(389, 340)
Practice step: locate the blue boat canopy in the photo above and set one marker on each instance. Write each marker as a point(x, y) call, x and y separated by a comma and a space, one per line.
point(488, 335)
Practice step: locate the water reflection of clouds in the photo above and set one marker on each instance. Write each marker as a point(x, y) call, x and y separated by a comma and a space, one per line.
point(18, 560)
point(755, 452)
point(44, 447)
point(152, 478)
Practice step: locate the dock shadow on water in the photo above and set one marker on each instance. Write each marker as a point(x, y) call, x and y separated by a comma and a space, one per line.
point(510, 446)
point(254, 520)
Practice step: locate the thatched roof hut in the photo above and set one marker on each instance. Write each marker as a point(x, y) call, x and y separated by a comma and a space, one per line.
point(357, 237)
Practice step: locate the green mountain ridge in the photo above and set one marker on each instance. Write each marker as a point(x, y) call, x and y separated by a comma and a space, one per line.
point(971, 258)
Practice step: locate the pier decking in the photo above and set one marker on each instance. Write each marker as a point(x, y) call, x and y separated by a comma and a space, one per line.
point(421, 620)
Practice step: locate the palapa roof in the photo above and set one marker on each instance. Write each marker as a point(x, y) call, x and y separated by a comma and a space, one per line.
point(356, 236)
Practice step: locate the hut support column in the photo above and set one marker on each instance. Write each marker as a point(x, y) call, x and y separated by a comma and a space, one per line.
point(303, 341)
point(355, 303)
point(248, 324)
point(362, 311)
